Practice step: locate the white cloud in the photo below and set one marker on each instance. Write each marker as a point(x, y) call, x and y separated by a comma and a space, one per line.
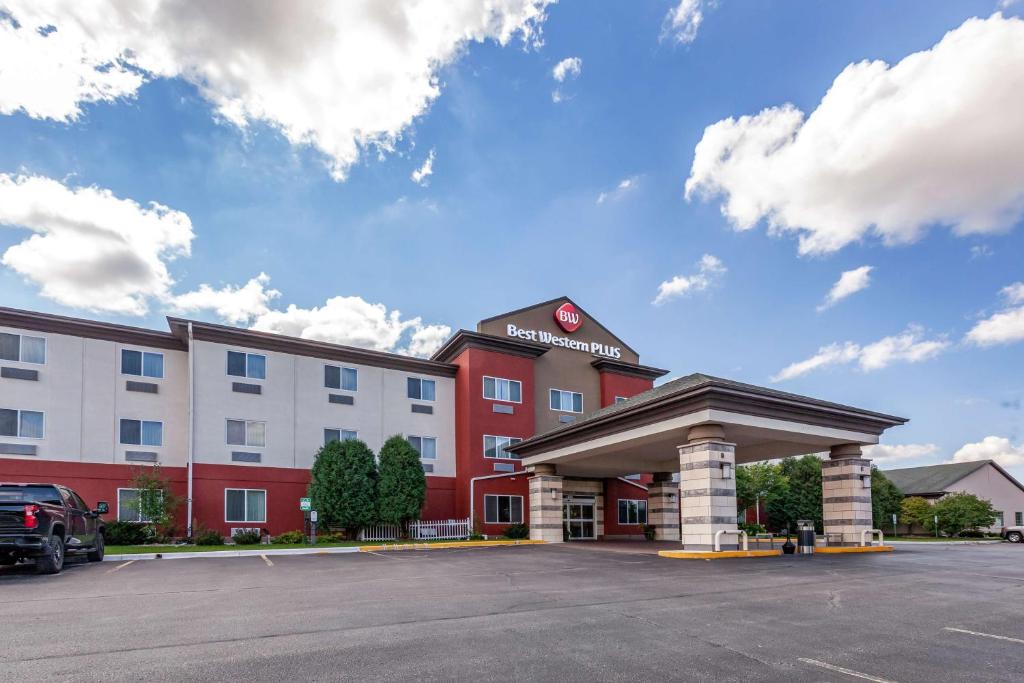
point(850, 282)
point(568, 67)
point(1004, 327)
point(709, 271)
point(887, 149)
point(996, 448)
point(338, 76)
point(625, 186)
point(887, 454)
point(90, 249)
point(236, 305)
point(420, 175)
point(353, 321)
point(908, 346)
point(981, 251)
point(683, 21)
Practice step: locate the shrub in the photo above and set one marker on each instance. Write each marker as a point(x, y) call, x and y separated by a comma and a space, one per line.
point(751, 528)
point(251, 537)
point(290, 538)
point(330, 538)
point(127, 533)
point(401, 485)
point(517, 531)
point(209, 537)
point(971, 533)
point(343, 485)
point(649, 532)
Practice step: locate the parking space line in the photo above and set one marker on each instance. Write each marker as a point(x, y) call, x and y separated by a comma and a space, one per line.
point(848, 672)
point(984, 635)
point(267, 560)
point(120, 566)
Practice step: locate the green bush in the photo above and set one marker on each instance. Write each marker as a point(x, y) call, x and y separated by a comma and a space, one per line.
point(290, 538)
point(208, 537)
point(128, 533)
point(751, 528)
point(649, 532)
point(246, 537)
point(517, 531)
point(330, 538)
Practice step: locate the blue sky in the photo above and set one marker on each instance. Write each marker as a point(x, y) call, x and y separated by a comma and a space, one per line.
point(513, 213)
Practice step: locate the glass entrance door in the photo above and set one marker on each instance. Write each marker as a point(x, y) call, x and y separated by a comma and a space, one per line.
point(578, 514)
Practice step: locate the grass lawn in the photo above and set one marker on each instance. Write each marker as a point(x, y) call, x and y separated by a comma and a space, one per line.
point(164, 549)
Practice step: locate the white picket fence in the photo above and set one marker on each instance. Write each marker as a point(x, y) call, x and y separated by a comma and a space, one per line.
point(448, 529)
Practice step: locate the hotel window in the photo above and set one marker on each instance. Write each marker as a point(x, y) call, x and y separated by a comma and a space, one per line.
point(142, 433)
point(129, 504)
point(1018, 519)
point(26, 424)
point(620, 399)
point(426, 446)
point(142, 363)
point(566, 401)
point(421, 389)
point(494, 447)
point(336, 377)
point(503, 509)
point(339, 435)
point(22, 348)
point(250, 365)
point(247, 433)
point(499, 389)
point(999, 519)
point(245, 505)
point(632, 511)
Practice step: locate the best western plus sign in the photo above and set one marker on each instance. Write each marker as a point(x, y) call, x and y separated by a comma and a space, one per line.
point(568, 318)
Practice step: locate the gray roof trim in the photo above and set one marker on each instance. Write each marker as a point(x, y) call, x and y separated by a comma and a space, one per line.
point(464, 339)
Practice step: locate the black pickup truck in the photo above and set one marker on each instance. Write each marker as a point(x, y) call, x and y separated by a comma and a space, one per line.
point(47, 522)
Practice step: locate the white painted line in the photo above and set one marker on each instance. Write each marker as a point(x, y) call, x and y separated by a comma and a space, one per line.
point(984, 635)
point(267, 560)
point(848, 672)
point(312, 550)
point(120, 566)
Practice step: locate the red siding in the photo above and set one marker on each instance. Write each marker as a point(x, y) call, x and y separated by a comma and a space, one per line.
point(440, 503)
point(613, 384)
point(614, 489)
point(284, 487)
point(514, 485)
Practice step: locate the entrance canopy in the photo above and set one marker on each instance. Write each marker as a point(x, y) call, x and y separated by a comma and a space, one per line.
point(642, 433)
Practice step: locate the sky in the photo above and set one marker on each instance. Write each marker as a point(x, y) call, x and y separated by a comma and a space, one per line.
point(822, 198)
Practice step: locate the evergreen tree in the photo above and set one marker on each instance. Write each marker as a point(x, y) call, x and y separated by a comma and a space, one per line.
point(343, 485)
point(402, 487)
point(798, 494)
point(886, 499)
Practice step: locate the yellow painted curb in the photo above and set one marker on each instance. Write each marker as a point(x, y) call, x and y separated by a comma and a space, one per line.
point(443, 546)
point(855, 549)
point(707, 555)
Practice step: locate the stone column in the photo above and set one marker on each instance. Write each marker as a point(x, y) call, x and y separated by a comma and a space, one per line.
point(846, 493)
point(663, 507)
point(707, 488)
point(545, 504)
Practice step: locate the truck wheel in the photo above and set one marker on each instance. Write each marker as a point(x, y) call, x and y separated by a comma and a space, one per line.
point(1014, 537)
point(53, 562)
point(96, 554)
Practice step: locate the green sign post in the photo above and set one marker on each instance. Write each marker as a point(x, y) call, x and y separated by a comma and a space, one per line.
point(305, 504)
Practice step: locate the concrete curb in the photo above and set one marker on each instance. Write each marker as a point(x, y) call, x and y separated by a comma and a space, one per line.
point(720, 555)
point(985, 542)
point(313, 550)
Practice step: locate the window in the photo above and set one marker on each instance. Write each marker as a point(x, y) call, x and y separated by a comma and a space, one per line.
point(620, 399)
point(129, 508)
point(27, 424)
point(142, 363)
point(566, 401)
point(999, 520)
point(421, 389)
point(245, 505)
point(251, 365)
point(426, 446)
point(632, 511)
point(503, 509)
point(339, 435)
point(1018, 519)
point(142, 433)
point(499, 389)
point(247, 433)
point(22, 348)
point(340, 378)
point(494, 447)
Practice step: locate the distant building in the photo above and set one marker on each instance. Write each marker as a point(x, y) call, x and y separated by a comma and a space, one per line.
point(984, 478)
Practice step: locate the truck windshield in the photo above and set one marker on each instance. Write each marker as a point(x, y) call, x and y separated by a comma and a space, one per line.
point(29, 494)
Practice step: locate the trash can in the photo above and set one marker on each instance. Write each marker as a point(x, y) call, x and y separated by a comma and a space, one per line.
point(805, 538)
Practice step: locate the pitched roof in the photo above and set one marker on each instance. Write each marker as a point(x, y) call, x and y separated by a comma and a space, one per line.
point(931, 479)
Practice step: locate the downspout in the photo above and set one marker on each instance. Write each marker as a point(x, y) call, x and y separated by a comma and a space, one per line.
point(191, 425)
point(472, 486)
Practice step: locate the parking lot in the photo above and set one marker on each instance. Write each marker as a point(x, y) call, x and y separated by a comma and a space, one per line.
point(924, 613)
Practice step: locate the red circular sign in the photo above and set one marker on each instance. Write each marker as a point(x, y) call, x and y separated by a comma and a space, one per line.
point(568, 317)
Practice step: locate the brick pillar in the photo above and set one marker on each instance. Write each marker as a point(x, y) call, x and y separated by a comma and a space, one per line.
point(545, 504)
point(846, 493)
point(663, 507)
point(707, 488)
